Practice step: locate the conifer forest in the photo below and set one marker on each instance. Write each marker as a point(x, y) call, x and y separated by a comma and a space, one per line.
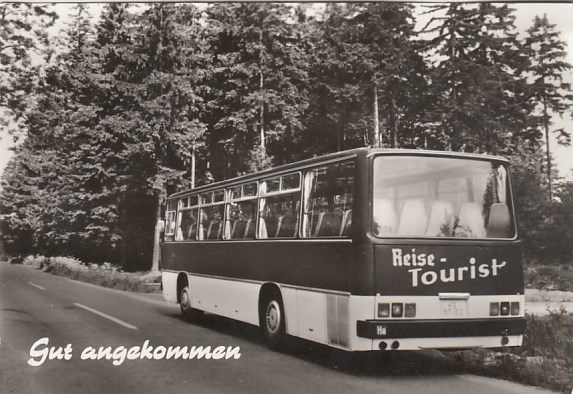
point(121, 109)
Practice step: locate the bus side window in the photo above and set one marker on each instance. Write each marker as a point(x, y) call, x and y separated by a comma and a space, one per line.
point(241, 215)
point(281, 208)
point(328, 200)
point(169, 226)
point(210, 225)
point(187, 225)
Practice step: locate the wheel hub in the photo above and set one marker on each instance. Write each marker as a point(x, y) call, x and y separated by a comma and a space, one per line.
point(184, 300)
point(273, 317)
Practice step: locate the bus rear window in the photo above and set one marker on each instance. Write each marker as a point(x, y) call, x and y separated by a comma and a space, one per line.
point(440, 197)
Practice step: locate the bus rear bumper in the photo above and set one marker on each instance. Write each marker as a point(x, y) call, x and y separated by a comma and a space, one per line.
point(442, 334)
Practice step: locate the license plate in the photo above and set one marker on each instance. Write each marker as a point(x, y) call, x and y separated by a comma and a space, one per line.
point(453, 308)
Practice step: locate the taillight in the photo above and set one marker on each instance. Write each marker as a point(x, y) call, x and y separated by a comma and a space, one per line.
point(410, 310)
point(383, 310)
point(504, 310)
point(397, 309)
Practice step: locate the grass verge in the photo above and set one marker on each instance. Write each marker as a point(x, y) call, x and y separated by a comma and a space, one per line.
point(544, 360)
point(549, 277)
point(104, 275)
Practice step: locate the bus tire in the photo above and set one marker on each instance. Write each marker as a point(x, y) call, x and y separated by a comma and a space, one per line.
point(189, 313)
point(273, 321)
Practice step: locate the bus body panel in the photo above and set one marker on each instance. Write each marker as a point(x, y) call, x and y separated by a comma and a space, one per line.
point(414, 269)
point(234, 299)
point(316, 264)
point(169, 286)
point(422, 332)
point(312, 314)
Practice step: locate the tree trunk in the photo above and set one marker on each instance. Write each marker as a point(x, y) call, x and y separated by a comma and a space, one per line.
point(262, 87)
point(262, 112)
point(377, 135)
point(156, 238)
point(123, 240)
point(193, 166)
point(548, 150)
point(393, 124)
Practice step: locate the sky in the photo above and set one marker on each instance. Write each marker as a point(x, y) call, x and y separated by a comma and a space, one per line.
point(560, 14)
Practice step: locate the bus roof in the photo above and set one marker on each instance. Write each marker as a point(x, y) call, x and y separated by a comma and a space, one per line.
point(337, 156)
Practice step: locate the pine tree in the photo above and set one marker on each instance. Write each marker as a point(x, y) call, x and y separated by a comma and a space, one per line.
point(475, 78)
point(23, 36)
point(367, 76)
point(154, 65)
point(385, 31)
point(549, 93)
point(258, 96)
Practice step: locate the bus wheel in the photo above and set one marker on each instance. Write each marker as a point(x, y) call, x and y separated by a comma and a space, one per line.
point(273, 322)
point(189, 314)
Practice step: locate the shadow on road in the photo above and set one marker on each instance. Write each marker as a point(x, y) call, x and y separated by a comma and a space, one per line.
point(389, 363)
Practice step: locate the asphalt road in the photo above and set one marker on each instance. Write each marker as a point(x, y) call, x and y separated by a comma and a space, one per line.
point(75, 316)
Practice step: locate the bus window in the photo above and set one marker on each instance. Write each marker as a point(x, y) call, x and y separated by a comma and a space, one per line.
point(290, 182)
point(273, 185)
point(242, 208)
point(187, 219)
point(250, 189)
point(328, 200)
point(280, 207)
point(170, 223)
point(440, 197)
point(241, 216)
point(212, 210)
point(188, 225)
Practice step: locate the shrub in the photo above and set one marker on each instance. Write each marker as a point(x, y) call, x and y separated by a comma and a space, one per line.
point(549, 277)
point(106, 274)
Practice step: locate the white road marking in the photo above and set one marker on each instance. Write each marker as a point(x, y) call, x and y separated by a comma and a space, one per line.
point(35, 285)
point(113, 319)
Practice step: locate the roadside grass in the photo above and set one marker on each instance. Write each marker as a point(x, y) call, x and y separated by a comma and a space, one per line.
point(105, 275)
point(544, 360)
point(549, 277)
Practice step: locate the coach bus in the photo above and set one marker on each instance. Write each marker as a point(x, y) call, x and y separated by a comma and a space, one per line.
point(366, 249)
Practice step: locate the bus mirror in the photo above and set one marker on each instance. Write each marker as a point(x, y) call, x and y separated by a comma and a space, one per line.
point(161, 225)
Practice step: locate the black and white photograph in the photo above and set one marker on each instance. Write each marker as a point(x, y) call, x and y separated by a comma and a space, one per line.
point(286, 197)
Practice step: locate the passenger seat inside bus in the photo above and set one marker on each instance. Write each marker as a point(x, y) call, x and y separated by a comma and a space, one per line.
point(328, 224)
point(499, 223)
point(471, 219)
point(413, 218)
point(346, 222)
point(384, 217)
point(439, 214)
point(287, 227)
point(214, 230)
point(241, 229)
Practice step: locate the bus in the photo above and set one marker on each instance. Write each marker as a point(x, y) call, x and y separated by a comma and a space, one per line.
point(361, 250)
